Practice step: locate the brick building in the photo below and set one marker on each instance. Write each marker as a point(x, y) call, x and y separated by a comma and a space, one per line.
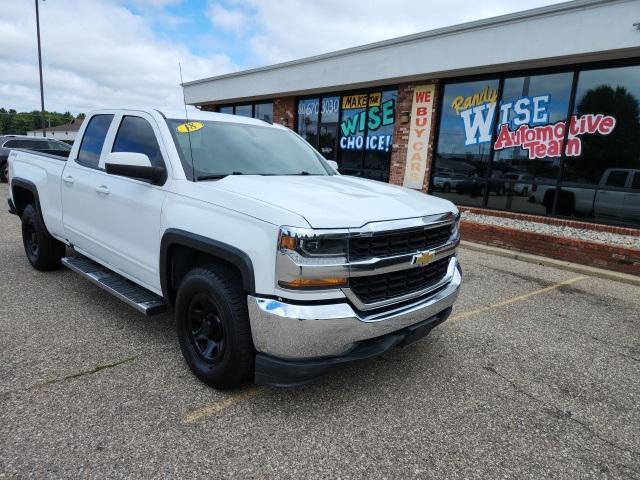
point(536, 112)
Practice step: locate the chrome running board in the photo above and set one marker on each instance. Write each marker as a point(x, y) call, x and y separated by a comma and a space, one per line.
point(135, 296)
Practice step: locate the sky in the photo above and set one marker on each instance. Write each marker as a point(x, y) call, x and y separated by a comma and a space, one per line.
point(111, 53)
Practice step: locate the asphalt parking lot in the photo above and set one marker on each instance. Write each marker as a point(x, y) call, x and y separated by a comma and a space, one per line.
point(536, 375)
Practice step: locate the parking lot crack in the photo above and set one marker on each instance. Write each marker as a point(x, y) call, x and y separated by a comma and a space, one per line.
point(71, 376)
point(558, 412)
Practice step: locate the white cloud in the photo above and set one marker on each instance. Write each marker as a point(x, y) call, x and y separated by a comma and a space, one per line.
point(95, 53)
point(100, 53)
point(232, 20)
point(288, 29)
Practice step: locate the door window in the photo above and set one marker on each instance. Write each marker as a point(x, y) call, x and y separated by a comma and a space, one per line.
point(136, 135)
point(93, 140)
point(617, 178)
point(58, 146)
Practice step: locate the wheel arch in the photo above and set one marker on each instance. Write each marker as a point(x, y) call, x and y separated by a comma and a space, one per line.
point(23, 193)
point(193, 250)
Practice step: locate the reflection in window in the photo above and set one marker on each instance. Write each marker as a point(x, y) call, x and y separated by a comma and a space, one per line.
point(615, 93)
point(464, 140)
point(264, 111)
point(328, 137)
point(93, 140)
point(597, 181)
point(366, 133)
point(308, 111)
point(244, 110)
point(136, 135)
point(532, 102)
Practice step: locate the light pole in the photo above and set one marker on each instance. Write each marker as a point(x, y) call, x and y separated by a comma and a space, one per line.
point(44, 130)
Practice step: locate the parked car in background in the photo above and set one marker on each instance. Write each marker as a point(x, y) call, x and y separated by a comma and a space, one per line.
point(47, 145)
point(447, 182)
point(617, 195)
point(518, 183)
point(474, 186)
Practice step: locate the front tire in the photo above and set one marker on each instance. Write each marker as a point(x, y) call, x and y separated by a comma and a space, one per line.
point(213, 327)
point(43, 251)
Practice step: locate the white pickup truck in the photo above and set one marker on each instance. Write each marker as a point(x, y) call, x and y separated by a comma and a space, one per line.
point(278, 269)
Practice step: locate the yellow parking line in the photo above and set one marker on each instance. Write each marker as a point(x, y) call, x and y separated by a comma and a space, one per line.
point(253, 391)
point(493, 306)
point(219, 406)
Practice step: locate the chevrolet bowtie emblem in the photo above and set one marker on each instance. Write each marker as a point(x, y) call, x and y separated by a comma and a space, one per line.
point(422, 258)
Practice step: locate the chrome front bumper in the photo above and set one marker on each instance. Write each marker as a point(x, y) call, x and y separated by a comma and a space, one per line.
point(298, 331)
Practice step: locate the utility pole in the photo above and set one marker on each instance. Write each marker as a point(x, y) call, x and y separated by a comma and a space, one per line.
point(44, 129)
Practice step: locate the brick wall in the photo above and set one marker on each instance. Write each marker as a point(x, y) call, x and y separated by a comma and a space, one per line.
point(401, 134)
point(595, 254)
point(284, 107)
point(553, 220)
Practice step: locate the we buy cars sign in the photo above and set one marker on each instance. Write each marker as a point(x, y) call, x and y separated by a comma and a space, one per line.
point(419, 135)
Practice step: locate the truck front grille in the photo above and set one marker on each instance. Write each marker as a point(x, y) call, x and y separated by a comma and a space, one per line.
point(377, 288)
point(398, 242)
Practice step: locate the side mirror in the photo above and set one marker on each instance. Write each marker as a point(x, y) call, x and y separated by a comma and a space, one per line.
point(134, 165)
point(333, 164)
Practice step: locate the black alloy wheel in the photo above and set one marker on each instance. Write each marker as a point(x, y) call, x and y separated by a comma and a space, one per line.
point(43, 251)
point(31, 238)
point(206, 329)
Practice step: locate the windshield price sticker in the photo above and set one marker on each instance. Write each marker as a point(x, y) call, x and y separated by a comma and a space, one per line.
point(189, 127)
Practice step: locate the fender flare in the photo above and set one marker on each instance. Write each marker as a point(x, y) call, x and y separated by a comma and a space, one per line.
point(223, 251)
point(27, 185)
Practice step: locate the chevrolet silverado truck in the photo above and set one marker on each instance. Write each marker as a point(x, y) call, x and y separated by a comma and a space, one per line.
point(277, 268)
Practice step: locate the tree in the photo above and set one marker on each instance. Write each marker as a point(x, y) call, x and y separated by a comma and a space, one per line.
point(621, 148)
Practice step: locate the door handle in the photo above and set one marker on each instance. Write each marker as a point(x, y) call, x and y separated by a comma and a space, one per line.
point(69, 179)
point(103, 190)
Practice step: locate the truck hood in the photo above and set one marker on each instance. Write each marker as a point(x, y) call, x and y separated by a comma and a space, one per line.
point(336, 201)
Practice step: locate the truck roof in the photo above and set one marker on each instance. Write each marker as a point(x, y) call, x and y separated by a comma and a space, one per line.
point(193, 115)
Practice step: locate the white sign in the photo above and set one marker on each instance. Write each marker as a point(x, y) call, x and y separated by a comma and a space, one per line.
point(419, 135)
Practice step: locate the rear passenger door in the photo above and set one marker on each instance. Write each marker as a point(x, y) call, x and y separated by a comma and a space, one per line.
point(81, 203)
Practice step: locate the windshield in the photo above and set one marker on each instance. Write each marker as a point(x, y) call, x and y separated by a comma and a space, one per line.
point(223, 148)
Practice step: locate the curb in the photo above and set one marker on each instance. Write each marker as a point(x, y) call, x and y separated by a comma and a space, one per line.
point(552, 262)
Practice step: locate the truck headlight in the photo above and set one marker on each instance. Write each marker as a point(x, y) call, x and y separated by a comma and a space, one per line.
point(312, 259)
point(309, 244)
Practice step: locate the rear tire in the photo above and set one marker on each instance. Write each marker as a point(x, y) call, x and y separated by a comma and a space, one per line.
point(4, 171)
point(213, 327)
point(43, 251)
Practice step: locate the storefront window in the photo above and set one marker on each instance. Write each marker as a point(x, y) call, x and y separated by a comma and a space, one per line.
point(352, 132)
point(264, 111)
point(244, 110)
point(530, 107)
point(461, 162)
point(366, 134)
point(328, 138)
point(599, 175)
point(597, 149)
point(308, 111)
point(356, 130)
